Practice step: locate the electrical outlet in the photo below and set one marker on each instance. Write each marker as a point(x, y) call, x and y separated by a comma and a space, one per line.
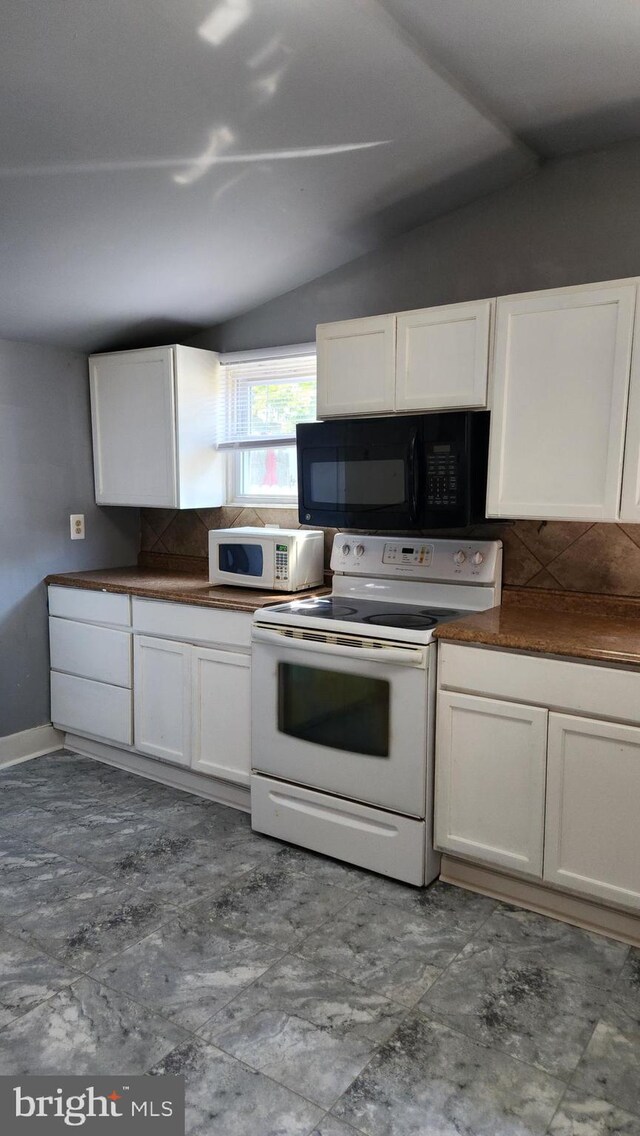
point(76, 525)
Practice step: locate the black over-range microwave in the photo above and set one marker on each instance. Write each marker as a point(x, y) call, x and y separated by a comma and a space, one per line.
point(422, 471)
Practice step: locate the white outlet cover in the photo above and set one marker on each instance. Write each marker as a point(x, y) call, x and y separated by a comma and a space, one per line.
point(76, 526)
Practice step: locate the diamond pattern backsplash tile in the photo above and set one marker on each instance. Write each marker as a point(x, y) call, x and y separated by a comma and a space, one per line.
point(565, 555)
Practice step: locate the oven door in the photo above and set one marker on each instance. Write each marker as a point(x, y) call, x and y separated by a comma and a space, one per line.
point(347, 718)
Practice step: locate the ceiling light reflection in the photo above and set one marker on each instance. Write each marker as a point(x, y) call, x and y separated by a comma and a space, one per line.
point(225, 19)
point(219, 140)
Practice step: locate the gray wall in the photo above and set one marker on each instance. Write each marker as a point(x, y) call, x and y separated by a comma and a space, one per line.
point(576, 220)
point(45, 474)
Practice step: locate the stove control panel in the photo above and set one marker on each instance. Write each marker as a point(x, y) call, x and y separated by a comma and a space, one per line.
point(448, 561)
point(402, 552)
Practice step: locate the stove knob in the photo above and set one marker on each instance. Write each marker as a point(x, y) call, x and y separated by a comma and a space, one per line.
point(359, 550)
point(459, 557)
point(478, 558)
point(346, 549)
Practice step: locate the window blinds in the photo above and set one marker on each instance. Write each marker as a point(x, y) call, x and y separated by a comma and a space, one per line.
point(263, 398)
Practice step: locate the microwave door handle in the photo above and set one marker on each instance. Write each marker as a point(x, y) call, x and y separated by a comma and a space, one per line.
point(414, 475)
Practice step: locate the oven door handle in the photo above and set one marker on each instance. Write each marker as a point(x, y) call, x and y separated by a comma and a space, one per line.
point(405, 656)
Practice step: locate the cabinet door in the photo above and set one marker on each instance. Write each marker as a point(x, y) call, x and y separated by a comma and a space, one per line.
point(561, 374)
point(222, 714)
point(490, 778)
point(443, 357)
point(162, 699)
point(356, 367)
point(134, 433)
point(592, 842)
point(630, 505)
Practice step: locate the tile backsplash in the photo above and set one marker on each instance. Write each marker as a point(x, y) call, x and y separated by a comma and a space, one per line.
point(561, 555)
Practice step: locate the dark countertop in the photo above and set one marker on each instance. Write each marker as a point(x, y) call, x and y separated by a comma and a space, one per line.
point(601, 628)
point(178, 587)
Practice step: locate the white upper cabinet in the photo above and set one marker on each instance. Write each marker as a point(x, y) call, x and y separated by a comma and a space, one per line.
point(430, 359)
point(153, 417)
point(443, 357)
point(561, 377)
point(356, 366)
point(630, 505)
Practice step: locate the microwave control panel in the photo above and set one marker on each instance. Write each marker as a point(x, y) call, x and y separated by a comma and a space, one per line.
point(442, 476)
point(282, 562)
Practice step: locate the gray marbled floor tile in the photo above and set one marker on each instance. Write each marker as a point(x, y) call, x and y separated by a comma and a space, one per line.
point(627, 988)
point(581, 1115)
point(57, 774)
point(449, 905)
point(86, 1028)
point(27, 977)
point(610, 1068)
point(103, 834)
point(540, 1016)
point(92, 924)
point(36, 821)
point(32, 876)
point(319, 867)
point(224, 1098)
point(312, 1031)
point(548, 943)
point(188, 969)
point(188, 813)
point(428, 1080)
point(397, 953)
point(274, 903)
point(329, 1126)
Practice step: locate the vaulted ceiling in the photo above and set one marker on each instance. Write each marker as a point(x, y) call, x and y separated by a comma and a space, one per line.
point(165, 165)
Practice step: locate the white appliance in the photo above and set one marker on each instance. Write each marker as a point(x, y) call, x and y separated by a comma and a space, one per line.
point(282, 560)
point(343, 700)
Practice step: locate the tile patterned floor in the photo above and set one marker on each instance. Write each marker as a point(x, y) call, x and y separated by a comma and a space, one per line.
point(146, 930)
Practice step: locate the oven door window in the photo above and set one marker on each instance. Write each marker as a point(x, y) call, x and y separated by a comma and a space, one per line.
point(334, 709)
point(241, 559)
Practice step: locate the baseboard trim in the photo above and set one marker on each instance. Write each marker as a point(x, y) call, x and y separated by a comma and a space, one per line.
point(213, 788)
point(29, 743)
point(592, 916)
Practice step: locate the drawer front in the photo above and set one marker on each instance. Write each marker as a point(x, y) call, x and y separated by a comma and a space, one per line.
point(90, 652)
point(87, 707)
point(596, 691)
point(94, 607)
point(192, 624)
point(380, 841)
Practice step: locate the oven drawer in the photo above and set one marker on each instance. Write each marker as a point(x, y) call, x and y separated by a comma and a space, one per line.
point(370, 838)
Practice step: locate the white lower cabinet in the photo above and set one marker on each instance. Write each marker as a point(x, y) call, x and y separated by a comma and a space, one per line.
point(490, 778)
point(221, 714)
point(162, 698)
point(593, 792)
point(540, 791)
point(188, 698)
point(192, 706)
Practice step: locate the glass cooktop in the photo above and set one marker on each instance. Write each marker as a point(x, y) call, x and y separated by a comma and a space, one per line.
point(374, 612)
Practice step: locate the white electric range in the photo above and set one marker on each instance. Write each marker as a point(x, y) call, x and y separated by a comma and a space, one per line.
point(343, 700)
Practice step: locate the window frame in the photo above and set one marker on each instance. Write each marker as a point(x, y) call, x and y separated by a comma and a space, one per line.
point(234, 496)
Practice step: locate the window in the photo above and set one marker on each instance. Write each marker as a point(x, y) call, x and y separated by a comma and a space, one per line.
point(263, 397)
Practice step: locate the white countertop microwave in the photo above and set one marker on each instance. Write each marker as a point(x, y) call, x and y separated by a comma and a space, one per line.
point(281, 560)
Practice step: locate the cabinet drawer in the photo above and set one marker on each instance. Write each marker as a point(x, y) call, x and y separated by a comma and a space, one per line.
point(90, 652)
point(95, 607)
point(599, 692)
point(87, 707)
point(382, 842)
point(192, 624)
